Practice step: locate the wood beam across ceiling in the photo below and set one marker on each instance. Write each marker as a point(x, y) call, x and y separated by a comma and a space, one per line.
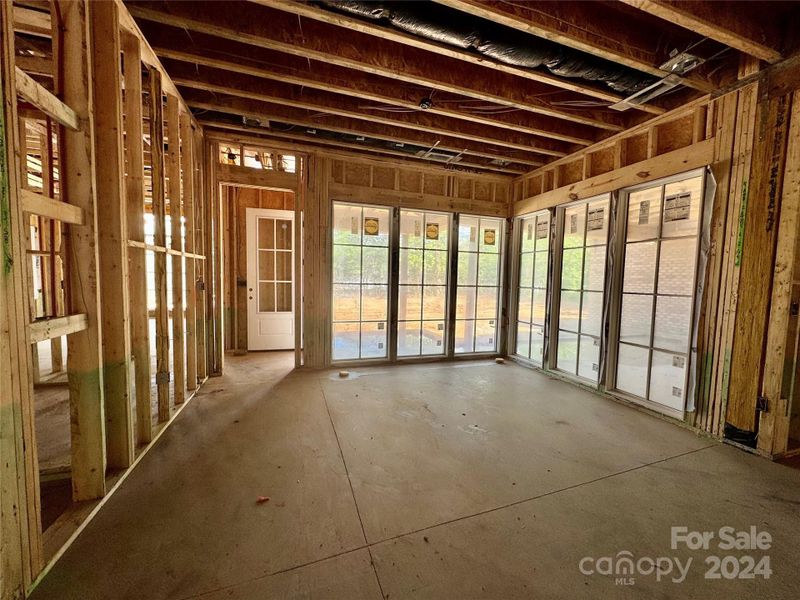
point(260, 110)
point(210, 51)
point(308, 10)
point(282, 31)
point(304, 143)
point(583, 26)
point(729, 23)
point(246, 86)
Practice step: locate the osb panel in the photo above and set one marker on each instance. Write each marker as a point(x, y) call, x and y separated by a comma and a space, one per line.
point(548, 181)
point(435, 184)
point(501, 192)
point(276, 199)
point(483, 190)
point(533, 186)
point(410, 181)
point(383, 177)
point(337, 171)
point(356, 174)
point(464, 188)
point(520, 189)
point(571, 172)
point(636, 149)
point(601, 161)
point(675, 134)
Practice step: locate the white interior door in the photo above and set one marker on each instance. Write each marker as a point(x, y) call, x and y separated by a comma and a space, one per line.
point(270, 279)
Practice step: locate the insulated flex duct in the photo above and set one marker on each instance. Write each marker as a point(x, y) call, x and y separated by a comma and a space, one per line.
point(504, 44)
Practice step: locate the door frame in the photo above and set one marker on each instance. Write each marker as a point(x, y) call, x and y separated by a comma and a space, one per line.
point(452, 269)
point(252, 214)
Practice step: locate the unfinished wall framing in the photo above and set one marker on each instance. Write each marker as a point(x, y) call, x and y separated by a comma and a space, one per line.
point(744, 136)
point(75, 267)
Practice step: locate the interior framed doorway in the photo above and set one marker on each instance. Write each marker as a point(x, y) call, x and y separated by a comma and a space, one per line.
point(270, 279)
point(262, 269)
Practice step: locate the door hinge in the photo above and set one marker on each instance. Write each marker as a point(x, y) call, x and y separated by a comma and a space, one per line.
point(762, 404)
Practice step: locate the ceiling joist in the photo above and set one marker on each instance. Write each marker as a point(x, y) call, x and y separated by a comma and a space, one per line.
point(279, 30)
point(232, 56)
point(308, 119)
point(246, 86)
point(305, 143)
point(310, 11)
point(727, 22)
point(586, 26)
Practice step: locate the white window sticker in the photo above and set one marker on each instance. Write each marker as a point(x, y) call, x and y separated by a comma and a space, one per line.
point(676, 207)
point(644, 212)
point(596, 217)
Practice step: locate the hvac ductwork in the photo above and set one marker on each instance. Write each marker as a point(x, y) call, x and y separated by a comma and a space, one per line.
point(448, 26)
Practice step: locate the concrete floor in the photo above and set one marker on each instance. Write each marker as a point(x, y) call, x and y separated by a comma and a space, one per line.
point(465, 480)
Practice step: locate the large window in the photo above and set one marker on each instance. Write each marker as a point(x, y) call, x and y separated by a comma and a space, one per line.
point(360, 281)
point(658, 281)
point(422, 283)
point(584, 236)
point(534, 245)
point(480, 243)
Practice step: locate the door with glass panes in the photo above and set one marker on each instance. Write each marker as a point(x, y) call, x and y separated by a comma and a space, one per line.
point(534, 253)
point(479, 289)
point(422, 281)
point(270, 279)
point(658, 274)
point(360, 290)
point(578, 320)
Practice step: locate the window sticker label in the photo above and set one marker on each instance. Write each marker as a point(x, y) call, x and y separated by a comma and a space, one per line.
point(530, 231)
point(417, 228)
point(440, 326)
point(472, 234)
point(596, 218)
point(354, 225)
point(432, 231)
point(677, 207)
point(489, 237)
point(542, 228)
point(573, 223)
point(677, 392)
point(381, 325)
point(371, 226)
point(644, 212)
point(678, 361)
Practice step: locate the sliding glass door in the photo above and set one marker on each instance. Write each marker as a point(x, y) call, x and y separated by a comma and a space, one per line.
point(360, 312)
point(478, 292)
point(403, 286)
point(583, 230)
point(657, 290)
point(534, 248)
point(423, 279)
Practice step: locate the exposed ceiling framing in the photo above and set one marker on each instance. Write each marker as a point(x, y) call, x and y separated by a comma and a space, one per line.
point(295, 70)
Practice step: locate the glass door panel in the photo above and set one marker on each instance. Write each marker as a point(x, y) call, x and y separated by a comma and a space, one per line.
point(360, 281)
point(582, 288)
point(480, 250)
point(423, 283)
point(658, 279)
point(534, 247)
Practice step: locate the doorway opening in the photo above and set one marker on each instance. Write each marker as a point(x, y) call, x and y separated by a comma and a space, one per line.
point(262, 270)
